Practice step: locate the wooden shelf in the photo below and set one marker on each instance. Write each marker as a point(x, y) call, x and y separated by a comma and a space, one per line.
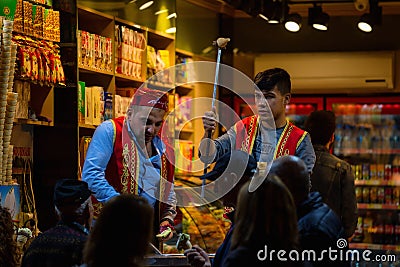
point(374, 246)
point(125, 78)
point(32, 122)
point(184, 89)
point(87, 126)
point(372, 206)
point(184, 52)
point(378, 182)
point(349, 151)
point(89, 70)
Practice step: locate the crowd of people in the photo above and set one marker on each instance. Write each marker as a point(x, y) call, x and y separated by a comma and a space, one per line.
point(304, 200)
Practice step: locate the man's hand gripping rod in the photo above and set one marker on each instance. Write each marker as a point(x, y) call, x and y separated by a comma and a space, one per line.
point(220, 43)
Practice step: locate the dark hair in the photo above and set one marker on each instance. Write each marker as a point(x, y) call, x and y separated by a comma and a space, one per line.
point(8, 247)
point(321, 125)
point(294, 174)
point(121, 234)
point(268, 79)
point(265, 216)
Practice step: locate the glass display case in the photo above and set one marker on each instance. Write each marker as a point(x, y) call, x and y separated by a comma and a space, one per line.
point(203, 222)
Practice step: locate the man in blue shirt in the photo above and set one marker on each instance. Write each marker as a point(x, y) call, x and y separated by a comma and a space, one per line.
point(126, 155)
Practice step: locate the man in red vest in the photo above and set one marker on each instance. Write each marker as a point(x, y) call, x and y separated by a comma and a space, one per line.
point(126, 155)
point(274, 91)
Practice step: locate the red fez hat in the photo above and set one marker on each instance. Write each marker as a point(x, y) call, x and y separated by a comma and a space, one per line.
point(151, 98)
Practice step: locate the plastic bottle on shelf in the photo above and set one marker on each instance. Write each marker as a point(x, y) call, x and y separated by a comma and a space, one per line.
point(389, 229)
point(359, 233)
point(367, 227)
point(376, 140)
point(378, 230)
point(363, 139)
point(376, 111)
point(395, 138)
point(337, 149)
point(397, 229)
point(347, 139)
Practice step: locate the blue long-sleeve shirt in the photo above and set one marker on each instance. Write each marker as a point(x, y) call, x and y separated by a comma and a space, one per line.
point(305, 151)
point(98, 155)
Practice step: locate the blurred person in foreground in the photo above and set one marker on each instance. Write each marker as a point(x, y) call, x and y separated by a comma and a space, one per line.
point(319, 226)
point(265, 220)
point(230, 172)
point(332, 177)
point(121, 234)
point(62, 245)
point(8, 246)
point(271, 99)
point(126, 155)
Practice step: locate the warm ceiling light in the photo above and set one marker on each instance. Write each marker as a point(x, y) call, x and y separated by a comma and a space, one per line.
point(317, 18)
point(365, 24)
point(369, 20)
point(172, 15)
point(273, 11)
point(161, 11)
point(171, 30)
point(293, 22)
point(278, 12)
point(146, 5)
point(263, 16)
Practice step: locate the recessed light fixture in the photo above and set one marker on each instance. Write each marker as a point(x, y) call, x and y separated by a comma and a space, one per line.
point(171, 30)
point(161, 11)
point(371, 19)
point(172, 15)
point(318, 19)
point(146, 5)
point(293, 22)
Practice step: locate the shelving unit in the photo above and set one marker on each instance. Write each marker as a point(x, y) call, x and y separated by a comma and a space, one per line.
point(366, 137)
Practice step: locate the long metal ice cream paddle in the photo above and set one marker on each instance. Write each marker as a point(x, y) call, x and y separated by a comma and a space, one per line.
point(220, 43)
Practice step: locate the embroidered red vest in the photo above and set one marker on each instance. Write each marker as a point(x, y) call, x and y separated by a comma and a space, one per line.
point(124, 177)
point(246, 132)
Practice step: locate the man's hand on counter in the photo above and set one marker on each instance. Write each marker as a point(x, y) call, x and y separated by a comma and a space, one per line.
point(197, 257)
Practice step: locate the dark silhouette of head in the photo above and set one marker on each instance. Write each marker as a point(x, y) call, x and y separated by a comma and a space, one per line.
point(293, 172)
point(266, 216)
point(321, 125)
point(72, 201)
point(121, 234)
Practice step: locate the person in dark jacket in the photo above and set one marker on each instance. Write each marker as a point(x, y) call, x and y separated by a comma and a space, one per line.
point(63, 244)
point(319, 226)
point(332, 177)
point(231, 171)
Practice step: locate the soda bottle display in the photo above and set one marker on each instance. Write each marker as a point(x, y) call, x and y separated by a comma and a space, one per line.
point(358, 233)
point(397, 229)
point(367, 227)
point(378, 230)
point(389, 229)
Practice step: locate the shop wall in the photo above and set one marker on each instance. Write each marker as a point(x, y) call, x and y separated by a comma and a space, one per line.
point(197, 28)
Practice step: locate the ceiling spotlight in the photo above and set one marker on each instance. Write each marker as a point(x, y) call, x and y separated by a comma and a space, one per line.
point(369, 20)
point(172, 15)
point(171, 30)
point(161, 11)
point(318, 19)
point(279, 10)
point(146, 5)
point(273, 11)
point(293, 22)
